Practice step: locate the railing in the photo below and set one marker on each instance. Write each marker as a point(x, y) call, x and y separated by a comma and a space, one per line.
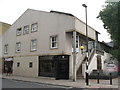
point(81, 57)
point(91, 55)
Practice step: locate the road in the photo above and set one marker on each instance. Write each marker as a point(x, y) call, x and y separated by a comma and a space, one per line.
point(8, 83)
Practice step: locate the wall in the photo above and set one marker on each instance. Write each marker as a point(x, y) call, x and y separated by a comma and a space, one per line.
point(93, 64)
point(23, 69)
point(1, 64)
point(81, 28)
point(48, 24)
point(3, 28)
point(106, 57)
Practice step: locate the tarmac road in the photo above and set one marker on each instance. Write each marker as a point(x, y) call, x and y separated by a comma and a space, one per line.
point(8, 83)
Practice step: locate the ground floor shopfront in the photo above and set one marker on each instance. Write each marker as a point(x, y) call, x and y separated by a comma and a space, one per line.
point(56, 66)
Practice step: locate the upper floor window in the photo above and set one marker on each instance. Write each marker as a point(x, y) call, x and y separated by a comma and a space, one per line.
point(19, 31)
point(26, 29)
point(33, 45)
point(77, 43)
point(18, 46)
point(34, 27)
point(6, 49)
point(54, 41)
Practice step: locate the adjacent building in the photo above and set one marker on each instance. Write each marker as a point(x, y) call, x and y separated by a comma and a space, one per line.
point(41, 44)
point(3, 28)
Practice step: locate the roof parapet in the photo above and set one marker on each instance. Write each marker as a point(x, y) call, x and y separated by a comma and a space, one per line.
point(69, 14)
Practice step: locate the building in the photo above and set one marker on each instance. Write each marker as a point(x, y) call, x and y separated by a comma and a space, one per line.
point(3, 28)
point(41, 45)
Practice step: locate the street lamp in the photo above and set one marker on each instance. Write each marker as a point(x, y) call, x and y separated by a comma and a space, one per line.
point(87, 81)
point(81, 47)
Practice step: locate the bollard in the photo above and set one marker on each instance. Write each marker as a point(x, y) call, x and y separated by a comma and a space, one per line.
point(87, 79)
point(98, 77)
point(110, 78)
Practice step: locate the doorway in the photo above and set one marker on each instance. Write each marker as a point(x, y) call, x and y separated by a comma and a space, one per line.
point(54, 66)
point(8, 65)
point(62, 67)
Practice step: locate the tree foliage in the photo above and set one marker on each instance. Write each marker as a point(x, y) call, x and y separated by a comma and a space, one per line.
point(110, 16)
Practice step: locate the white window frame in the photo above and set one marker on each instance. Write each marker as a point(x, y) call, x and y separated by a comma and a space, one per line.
point(18, 47)
point(6, 49)
point(19, 31)
point(26, 29)
point(54, 40)
point(33, 45)
point(77, 43)
point(34, 27)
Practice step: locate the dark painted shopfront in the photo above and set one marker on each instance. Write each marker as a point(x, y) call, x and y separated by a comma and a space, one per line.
point(54, 66)
point(8, 65)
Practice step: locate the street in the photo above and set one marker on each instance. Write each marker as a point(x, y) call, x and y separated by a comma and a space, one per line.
point(8, 83)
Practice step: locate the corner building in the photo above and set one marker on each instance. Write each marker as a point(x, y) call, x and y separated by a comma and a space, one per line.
point(40, 44)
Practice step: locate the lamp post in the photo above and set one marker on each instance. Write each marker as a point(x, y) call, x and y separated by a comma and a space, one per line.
point(87, 80)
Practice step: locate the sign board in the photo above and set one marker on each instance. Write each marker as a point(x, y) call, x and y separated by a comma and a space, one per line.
point(8, 59)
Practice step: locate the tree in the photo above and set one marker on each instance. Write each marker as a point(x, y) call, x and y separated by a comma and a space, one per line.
point(110, 16)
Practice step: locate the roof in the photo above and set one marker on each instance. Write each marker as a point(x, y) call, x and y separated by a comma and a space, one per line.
point(109, 44)
point(69, 14)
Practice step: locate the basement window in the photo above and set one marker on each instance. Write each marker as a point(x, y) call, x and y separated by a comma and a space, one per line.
point(18, 64)
point(30, 65)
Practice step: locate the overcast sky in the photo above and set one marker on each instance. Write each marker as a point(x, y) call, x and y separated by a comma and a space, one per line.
point(10, 10)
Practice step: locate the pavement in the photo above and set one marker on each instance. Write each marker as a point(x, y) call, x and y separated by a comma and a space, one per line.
point(68, 83)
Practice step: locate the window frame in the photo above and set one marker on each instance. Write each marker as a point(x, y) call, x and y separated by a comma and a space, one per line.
point(26, 29)
point(77, 43)
point(6, 49)
point(33, 26)
point(55, 41)
point(31, 45)
point(16, 50)
point(20, 32)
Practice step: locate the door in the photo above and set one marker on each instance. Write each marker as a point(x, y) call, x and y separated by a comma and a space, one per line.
point(62, 67)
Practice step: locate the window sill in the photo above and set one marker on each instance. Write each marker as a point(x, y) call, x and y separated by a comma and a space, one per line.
point(5, 53)
point(54, 48)
point(17, 51)
point(33, 50)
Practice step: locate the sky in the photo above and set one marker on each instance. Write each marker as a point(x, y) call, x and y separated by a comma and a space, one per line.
point(11, 10)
